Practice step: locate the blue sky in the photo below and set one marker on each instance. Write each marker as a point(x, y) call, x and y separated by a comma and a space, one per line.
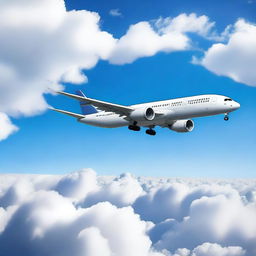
point(53, 143)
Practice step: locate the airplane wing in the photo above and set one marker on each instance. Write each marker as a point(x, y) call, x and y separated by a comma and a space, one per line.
point(102, 105)
point(68, 113)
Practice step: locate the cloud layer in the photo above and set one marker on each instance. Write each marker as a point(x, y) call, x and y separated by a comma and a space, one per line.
point(83, 214)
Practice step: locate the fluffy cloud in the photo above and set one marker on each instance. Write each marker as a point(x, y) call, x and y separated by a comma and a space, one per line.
point(77, 185)
point(43, 46)
point(47, 218)
point(37, 52)
point(208, 249)
point(226, 221)
point(122, 191)
point(235, 59)
point(167, 35)
point(6, 125)
point(84, 214)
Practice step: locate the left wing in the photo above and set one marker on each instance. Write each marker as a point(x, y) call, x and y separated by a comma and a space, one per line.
point(78, 116)
point(102, 105)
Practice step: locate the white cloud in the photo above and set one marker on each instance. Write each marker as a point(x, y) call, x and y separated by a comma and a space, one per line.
point(74, 76)
point(51, 215)
point(208, 249)
point(216, 219)
point(115, 12)
point(48, 223)
point(77, 185)
point(122, 191)
point(186, 23)
point(6, 126)
point(42, 46)
point(235, 59)
point(164, 35)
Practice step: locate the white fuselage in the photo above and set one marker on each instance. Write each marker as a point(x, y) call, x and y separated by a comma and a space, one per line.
point(170, 111)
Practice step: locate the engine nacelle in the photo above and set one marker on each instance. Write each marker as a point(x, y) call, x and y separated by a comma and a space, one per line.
point(182, 126)
point(142, 114)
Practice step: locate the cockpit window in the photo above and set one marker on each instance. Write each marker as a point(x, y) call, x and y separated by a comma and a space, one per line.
point(227, 99)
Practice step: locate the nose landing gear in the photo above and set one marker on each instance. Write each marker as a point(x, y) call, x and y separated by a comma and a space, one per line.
point(226, 118)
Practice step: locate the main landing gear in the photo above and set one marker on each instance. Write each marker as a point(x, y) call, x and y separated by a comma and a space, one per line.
point(134, 127)
point(151, 132)
point(226, 118)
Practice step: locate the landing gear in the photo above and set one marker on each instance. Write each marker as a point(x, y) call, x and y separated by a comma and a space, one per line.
point(151, 132)
point(226, 117)
point(134, 127)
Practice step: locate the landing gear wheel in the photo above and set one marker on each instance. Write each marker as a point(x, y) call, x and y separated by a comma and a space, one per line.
point(134, 128)
point(226, 118)
point(151, 132)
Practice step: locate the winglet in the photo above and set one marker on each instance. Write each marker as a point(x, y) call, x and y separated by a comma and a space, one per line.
point(80, 93)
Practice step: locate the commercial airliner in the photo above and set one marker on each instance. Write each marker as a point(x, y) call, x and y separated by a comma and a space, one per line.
point(174, 114)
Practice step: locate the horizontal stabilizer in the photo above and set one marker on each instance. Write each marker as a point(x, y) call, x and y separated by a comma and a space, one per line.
point(68, 113)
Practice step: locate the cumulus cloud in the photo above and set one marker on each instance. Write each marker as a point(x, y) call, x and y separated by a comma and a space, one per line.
point(43, 46)
point(77, 185)
point(122, 191)
point(184, 23)
point(6, 125)
point(145, 39)
point(49, 219)
point(235, 59)
point(208, 249)
point(37, 52)
point(84, 214)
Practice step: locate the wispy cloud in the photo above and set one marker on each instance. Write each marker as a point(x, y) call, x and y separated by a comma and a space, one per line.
point(115, 13)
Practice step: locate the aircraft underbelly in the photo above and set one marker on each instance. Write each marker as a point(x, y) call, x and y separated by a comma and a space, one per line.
point(105, 121)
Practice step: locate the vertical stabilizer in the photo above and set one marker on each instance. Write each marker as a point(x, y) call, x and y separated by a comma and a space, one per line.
point(86, 108)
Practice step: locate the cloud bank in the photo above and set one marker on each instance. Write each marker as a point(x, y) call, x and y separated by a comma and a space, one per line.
point(85, 214)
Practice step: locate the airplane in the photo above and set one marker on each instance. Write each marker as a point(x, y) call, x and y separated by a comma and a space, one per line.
point(174, 114)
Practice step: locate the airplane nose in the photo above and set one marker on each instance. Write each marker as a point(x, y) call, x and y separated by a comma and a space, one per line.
point(236, 105)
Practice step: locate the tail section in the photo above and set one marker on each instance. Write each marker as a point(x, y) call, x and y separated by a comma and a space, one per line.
point(85, 107)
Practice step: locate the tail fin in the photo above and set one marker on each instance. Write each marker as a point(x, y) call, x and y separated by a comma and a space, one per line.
point(85, 107)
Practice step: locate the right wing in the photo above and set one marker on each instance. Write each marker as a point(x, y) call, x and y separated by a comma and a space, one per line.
point(102, 105)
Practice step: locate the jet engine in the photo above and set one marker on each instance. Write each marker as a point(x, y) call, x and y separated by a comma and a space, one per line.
point(182, 126)
point(142, 114)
